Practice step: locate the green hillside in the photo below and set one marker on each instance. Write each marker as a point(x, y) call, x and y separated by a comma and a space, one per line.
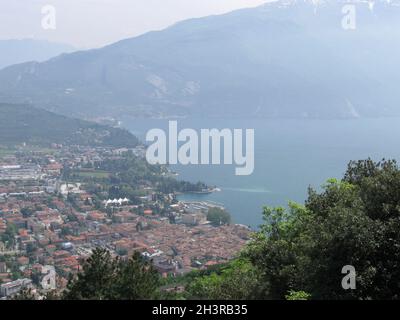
point(22, 123)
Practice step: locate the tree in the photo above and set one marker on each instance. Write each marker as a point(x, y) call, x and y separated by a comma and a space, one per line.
point(26, 212)
point(96, 278)
point(218, 216)
point(107, 278)
point(8, 237)
point(136, 279)
point(354, 221)
point(235, 281)
point(275, 249)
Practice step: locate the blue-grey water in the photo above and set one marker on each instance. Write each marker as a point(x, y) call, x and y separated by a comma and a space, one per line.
point(290, 155)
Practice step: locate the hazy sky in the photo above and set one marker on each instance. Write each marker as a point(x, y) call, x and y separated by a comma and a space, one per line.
point(93, 23)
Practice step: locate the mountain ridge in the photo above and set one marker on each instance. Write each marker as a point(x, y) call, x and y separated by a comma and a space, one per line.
point(269, 61)
point(25, 124)
point(16, 51)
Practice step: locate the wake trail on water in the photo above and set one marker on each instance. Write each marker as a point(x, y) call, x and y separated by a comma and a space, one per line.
point(249, 190)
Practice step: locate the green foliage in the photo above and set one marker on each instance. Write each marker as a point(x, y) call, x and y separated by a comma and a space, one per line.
point(169, 185)
point(274, 249)
point(8, 237)
point(22, 123)
point(136, 279)
point(107, 278)
point(26, 212)
point(96, 278)
point(298, 295)
point(236, 281)
point(127, 175)
point(351, 222)
point(218, 216)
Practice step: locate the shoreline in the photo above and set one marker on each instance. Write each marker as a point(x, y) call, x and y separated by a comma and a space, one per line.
point(209, 191)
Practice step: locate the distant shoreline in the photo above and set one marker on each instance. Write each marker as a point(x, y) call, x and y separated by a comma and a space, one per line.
point(208, 191)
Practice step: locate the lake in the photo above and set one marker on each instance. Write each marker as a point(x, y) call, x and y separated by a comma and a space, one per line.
point(290, 155)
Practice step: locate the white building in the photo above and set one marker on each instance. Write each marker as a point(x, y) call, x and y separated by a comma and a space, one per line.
point(12, 288)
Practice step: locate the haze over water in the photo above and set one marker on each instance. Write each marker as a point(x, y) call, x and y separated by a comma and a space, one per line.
point(290, 155)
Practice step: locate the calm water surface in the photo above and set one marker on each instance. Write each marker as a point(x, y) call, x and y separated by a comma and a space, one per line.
point(290, 155)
